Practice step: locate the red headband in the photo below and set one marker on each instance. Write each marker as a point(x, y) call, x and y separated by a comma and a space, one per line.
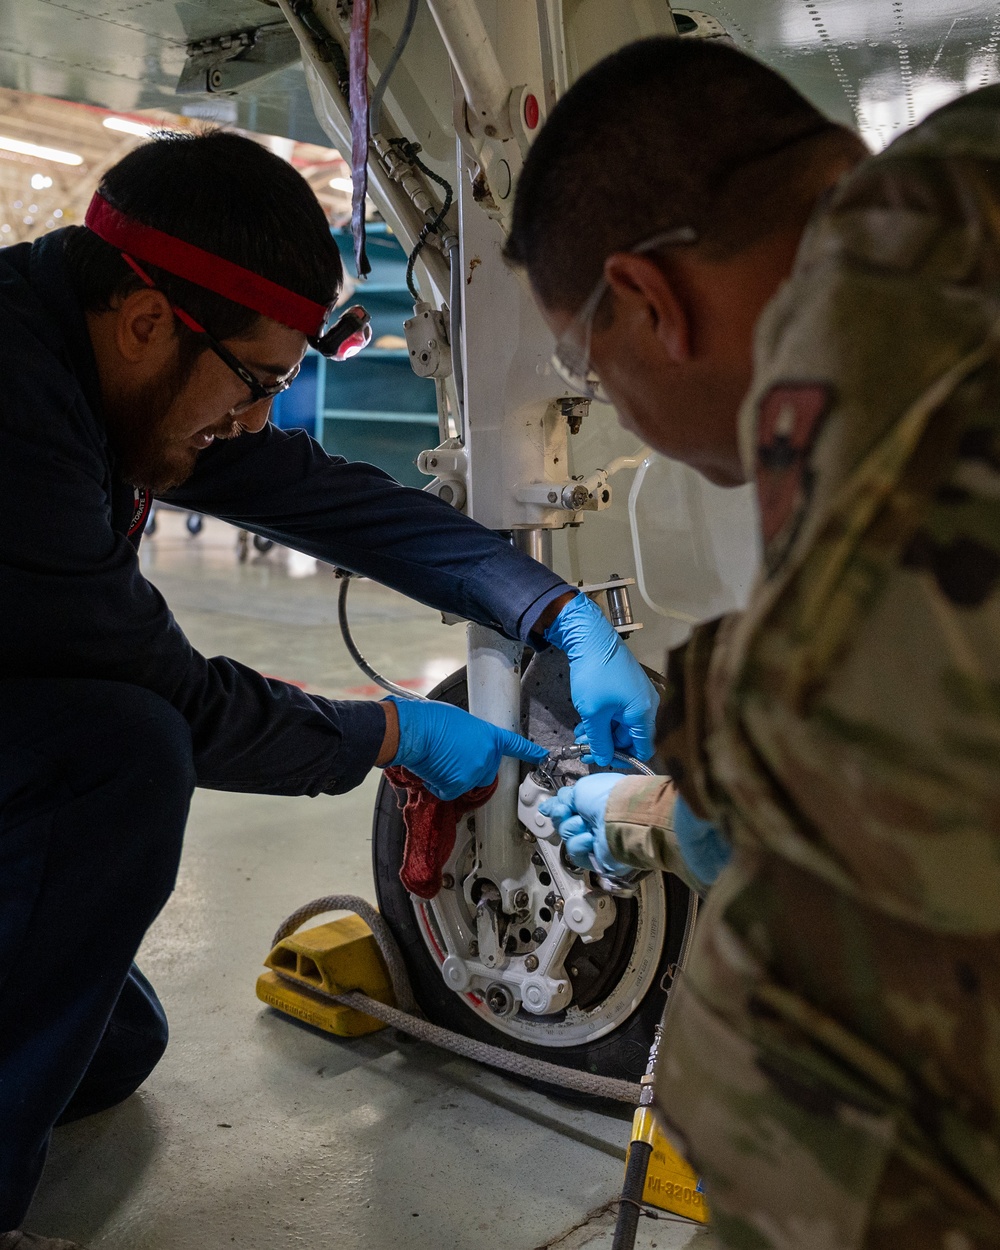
point(204, 269)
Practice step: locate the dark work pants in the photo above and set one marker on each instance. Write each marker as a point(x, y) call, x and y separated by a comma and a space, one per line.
point(95, 782)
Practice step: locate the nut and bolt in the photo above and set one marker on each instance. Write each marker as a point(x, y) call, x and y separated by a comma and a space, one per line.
point(574, 410)
point(521, 900)
point(539, 935)
point(499, 1000)
point(447, 881)
point(530, 963)
point(537, 860)
point(575, 497)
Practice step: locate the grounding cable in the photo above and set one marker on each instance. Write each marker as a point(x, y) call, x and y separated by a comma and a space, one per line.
point(375, 107)
point(345, 629)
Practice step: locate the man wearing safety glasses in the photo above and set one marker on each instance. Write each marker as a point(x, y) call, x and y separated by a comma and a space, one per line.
point(140, 354)
point(764, 301)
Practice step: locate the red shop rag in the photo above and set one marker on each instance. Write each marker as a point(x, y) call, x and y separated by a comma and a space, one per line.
point(431, 827)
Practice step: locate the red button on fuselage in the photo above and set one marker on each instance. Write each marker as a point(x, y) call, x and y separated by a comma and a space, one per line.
point(530, 112)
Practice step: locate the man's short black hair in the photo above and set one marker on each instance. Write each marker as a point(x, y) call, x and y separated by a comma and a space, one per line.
point(222, 192)
point(664, 133)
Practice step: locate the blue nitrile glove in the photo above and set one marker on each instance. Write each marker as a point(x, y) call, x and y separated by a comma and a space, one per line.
point(615, 698)
point(706, 851)
point(451, 751)
point(578, 814)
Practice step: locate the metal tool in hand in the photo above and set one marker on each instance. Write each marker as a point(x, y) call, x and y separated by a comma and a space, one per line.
point(544, 775)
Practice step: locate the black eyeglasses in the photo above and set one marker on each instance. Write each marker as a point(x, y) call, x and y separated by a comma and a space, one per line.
point(348, 336)
point(259, 391)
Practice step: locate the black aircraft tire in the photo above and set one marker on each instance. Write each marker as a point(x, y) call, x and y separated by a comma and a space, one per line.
point(621, 1053)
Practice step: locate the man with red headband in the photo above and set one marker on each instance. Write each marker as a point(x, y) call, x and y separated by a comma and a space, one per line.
point(139, 356)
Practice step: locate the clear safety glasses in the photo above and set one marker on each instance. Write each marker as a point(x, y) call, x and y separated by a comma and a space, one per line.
point(571, 359)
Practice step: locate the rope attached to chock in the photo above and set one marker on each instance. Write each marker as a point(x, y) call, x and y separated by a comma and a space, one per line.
point(404, 1018)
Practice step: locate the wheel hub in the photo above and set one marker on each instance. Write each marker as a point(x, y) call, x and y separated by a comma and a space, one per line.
point(575, 952)
point(558, 955)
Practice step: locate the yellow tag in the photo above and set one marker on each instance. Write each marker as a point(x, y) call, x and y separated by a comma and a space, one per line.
point(671, 1183)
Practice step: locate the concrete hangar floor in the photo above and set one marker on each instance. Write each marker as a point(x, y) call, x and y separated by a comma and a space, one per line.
point(260, 1133)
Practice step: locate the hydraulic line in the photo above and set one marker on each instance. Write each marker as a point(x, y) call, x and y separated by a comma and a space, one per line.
point(455, 330)
point(375, 108)
point(375, 124)
point(578, 750)
point(629, 1209)
point(345, 630)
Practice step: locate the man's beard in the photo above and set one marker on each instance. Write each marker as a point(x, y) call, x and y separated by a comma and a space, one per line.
point(137, 432)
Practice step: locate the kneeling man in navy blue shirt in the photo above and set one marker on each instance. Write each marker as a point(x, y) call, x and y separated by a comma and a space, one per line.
point(139, 355)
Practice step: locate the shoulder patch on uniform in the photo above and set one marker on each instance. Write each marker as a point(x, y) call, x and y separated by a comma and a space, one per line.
point(789, 417)
point(142, 501)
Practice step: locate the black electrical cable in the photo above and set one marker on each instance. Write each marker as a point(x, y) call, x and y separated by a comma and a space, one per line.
point(356, 656)
point(635, 1182)
point(375, 108)
point(409, 151)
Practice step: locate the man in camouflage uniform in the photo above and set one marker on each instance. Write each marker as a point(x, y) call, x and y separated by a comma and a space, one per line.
point(831, 1061)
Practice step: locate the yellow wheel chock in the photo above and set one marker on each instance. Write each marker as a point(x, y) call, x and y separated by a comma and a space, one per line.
point(343, 955)
point(336, 957)
point(671, 1183)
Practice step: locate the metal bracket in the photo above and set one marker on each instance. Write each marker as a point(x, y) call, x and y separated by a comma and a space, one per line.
point(448, 465)
point(578, 495)
point(225, 63)
point(619, 603)
point(488, 929)
point(429, 342)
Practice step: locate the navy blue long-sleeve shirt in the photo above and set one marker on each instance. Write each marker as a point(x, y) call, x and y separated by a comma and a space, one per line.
point(73, 602)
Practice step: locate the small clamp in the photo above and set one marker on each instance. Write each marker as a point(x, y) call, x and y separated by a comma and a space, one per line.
point(544, 774)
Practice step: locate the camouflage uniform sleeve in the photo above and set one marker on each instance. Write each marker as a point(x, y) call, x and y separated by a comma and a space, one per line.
point(639, 826)
point(681, 722)
point(638, 819)
point(855, 711)
point(831, 1057)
